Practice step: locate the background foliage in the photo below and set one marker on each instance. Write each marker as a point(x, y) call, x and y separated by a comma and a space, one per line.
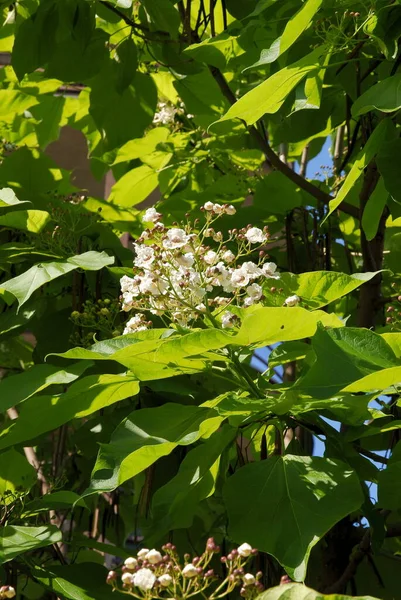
point(222, 101)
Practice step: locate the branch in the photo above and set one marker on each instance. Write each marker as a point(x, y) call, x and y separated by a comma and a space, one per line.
point(127, 20)
point(371, 455)
point(272, 158)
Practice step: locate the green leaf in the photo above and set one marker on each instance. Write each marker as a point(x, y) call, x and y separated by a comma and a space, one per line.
point(288, 352)
point(17, 388)
point(390, 174)
point(142, 146)
point(61, 500)
point(297, 591)
point(373, 210)
point(368, 152)
point(32, 221)
point(175, 504)
point(342, 357)
point(23, 286)
point(83, 398)
point(16, 475)
point(379, 381)
point(163, 15)
point(389, 490)
point(128, 64)
point(80, 581)
point(293, 29)
point(384, 26)
point(316, 289)
point(9, 201)
point(269, 96)
point(18, 540)
point(145, 436)
point(133, 187)
point(384, 96)
point(310, 494)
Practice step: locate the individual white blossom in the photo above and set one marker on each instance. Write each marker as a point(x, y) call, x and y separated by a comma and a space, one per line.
point(253, 270)
point(240, 277)
point(228, 256)
point(269, 270)
point(130, 563)
point(9, 592)
point(254, 291)
point(185, 260)
point(189, 570)
point(254, 235)
point(151, 215)
point(176, 238)
point(154, 557)
point(292, 300)
point(218, 209)
point(208, 206)
point(165, 115)
point(249, 579)
point(137, 323)
point(144, 579)
point(230, 209)
point(165, 580)
point(227, 320)
point(142, 553)
point(210, 257)
point(244, 550)
point(126, 283)
point(145, 255)
point(126, 578)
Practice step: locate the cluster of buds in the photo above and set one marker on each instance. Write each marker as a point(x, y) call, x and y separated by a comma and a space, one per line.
point(98, 319)
point(186, 271)
point(167, 113)
point(393, 318)
point(7, 591)
point(152, 574)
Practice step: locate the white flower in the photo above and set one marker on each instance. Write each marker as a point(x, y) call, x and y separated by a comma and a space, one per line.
point(145, 255)
point(142, 553)
point(165, 580)
point(185, 260)
point(249, 301)
point(176, 238)
point(227, 320)
point(144, 579)
point(9, 592)
point(254, 235)
point(230, 209)
point(150, 284)
point(218, 209)
point(221, 300)
point(165, 115)
point(218, 236)
point(253, 270)
point(189, 571)
point(127, 283)
point(228, 256)
point(126, 578)
point(244, 550)
point(254, 291)
point(151, 215)
point(130, 563)
point(208, 206)
point(135, 324)
point(154, 557)
point(210, 257)
point(240, 277)
point(292, 300)
point(269, 270)
point(249, 579)
point(201, 308)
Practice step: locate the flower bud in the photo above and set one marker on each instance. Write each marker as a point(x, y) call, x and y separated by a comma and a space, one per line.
point(284, 580)
point(154, 557)
point(189, 571)
point(244, 550)
point(249, 579)
point(111, 576)
point(209, 573)
point(126, 578)
point(9, 592)
point(165, 580)
point(142, 553)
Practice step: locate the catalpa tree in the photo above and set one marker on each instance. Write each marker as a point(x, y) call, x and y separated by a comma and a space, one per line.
point(213, 407)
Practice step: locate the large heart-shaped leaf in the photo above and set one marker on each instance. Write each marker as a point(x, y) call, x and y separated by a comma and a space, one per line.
point(310, 495)
point(17, 540)
point(297, 591)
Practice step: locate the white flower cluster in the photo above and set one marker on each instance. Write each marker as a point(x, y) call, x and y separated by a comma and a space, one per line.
point(150, 573)
point(180, 276)
point(165, 115)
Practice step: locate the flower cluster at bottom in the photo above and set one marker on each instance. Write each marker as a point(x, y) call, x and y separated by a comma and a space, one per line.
point(152, 574)
point(7, 591)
